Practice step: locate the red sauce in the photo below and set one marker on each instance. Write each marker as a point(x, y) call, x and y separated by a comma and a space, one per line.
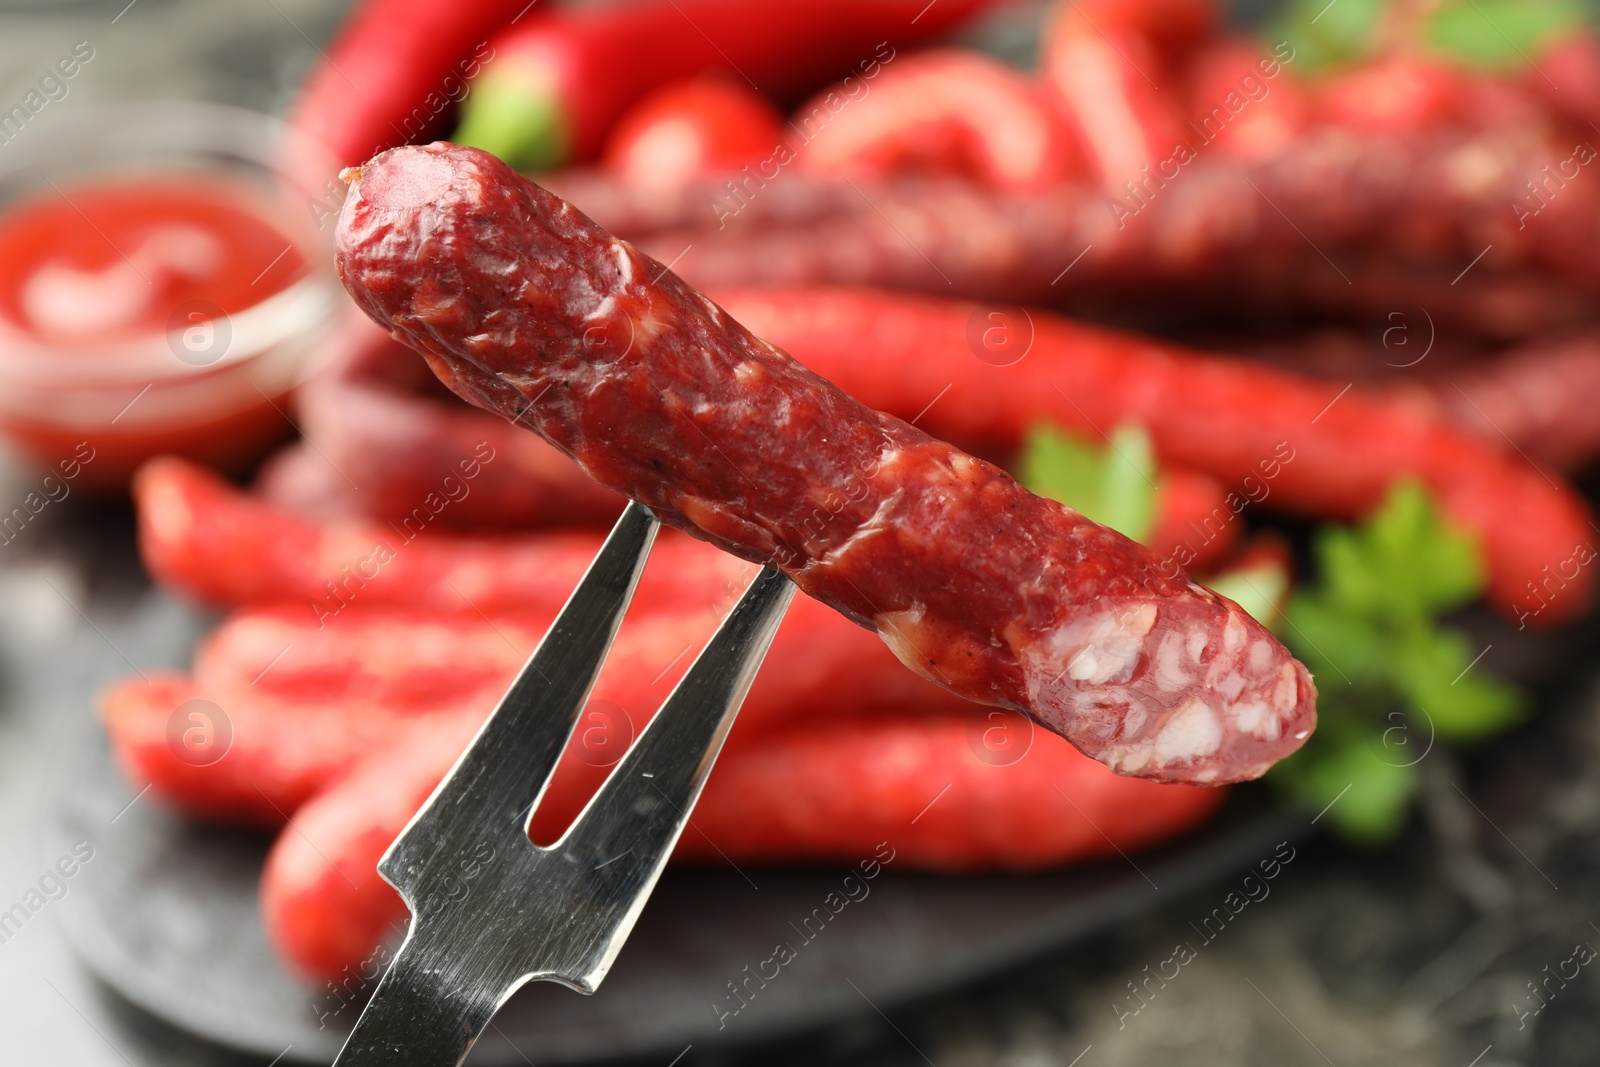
point(111, 261)
point(107, 270)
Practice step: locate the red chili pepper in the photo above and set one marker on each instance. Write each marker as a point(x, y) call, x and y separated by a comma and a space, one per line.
point(1104, 83)
point(935, 790)
point(396, 70)
point(699, 126)
point(1298, 444)
point(1175, 28)
point(1401, 94)
point(948, 111)
point(557, 85)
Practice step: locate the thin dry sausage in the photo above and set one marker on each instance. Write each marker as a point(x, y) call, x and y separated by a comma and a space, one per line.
point(523, 305)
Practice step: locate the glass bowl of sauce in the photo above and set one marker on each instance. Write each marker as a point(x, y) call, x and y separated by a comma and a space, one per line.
point(165, 280)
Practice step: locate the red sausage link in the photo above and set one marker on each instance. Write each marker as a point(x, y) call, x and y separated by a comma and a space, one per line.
point(385, 437)
point(1543, 397)
point(524, 306)
point(826, 794)
point(202, 537)
point(302, 704)
point(1397, 216)
point(375, 674)
point(1540, 396)
point(371, 425)
point(1316, 450)
point(323, 902)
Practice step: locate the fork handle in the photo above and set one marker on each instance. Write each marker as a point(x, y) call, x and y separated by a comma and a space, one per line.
point(413, 1020)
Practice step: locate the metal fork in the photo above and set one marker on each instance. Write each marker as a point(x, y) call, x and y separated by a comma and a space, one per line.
point(490, 910)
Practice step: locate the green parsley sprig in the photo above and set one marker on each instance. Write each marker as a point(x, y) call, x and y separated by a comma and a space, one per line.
point(1393, 679)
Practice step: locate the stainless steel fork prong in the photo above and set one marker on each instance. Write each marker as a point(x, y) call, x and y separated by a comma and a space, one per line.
point(491, 910)
point(500, 776)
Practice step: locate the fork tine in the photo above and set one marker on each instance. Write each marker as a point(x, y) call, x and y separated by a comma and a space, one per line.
point(497, 781)
point(518, 912)
point(644, 805)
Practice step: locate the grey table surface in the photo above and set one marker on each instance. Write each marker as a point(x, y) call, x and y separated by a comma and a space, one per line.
point(1422, 953)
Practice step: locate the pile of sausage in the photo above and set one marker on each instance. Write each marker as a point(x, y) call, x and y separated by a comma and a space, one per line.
point(820, 359)
point(1197, 180)
point(360, 655)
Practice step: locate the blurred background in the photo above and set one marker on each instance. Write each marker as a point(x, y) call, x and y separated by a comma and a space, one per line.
point(1424, 930)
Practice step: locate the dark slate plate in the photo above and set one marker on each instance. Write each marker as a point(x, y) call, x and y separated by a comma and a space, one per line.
point(166, 915)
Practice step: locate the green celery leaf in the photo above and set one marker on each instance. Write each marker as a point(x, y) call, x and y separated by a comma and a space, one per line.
point(1497, 34)
point(1113, 485)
